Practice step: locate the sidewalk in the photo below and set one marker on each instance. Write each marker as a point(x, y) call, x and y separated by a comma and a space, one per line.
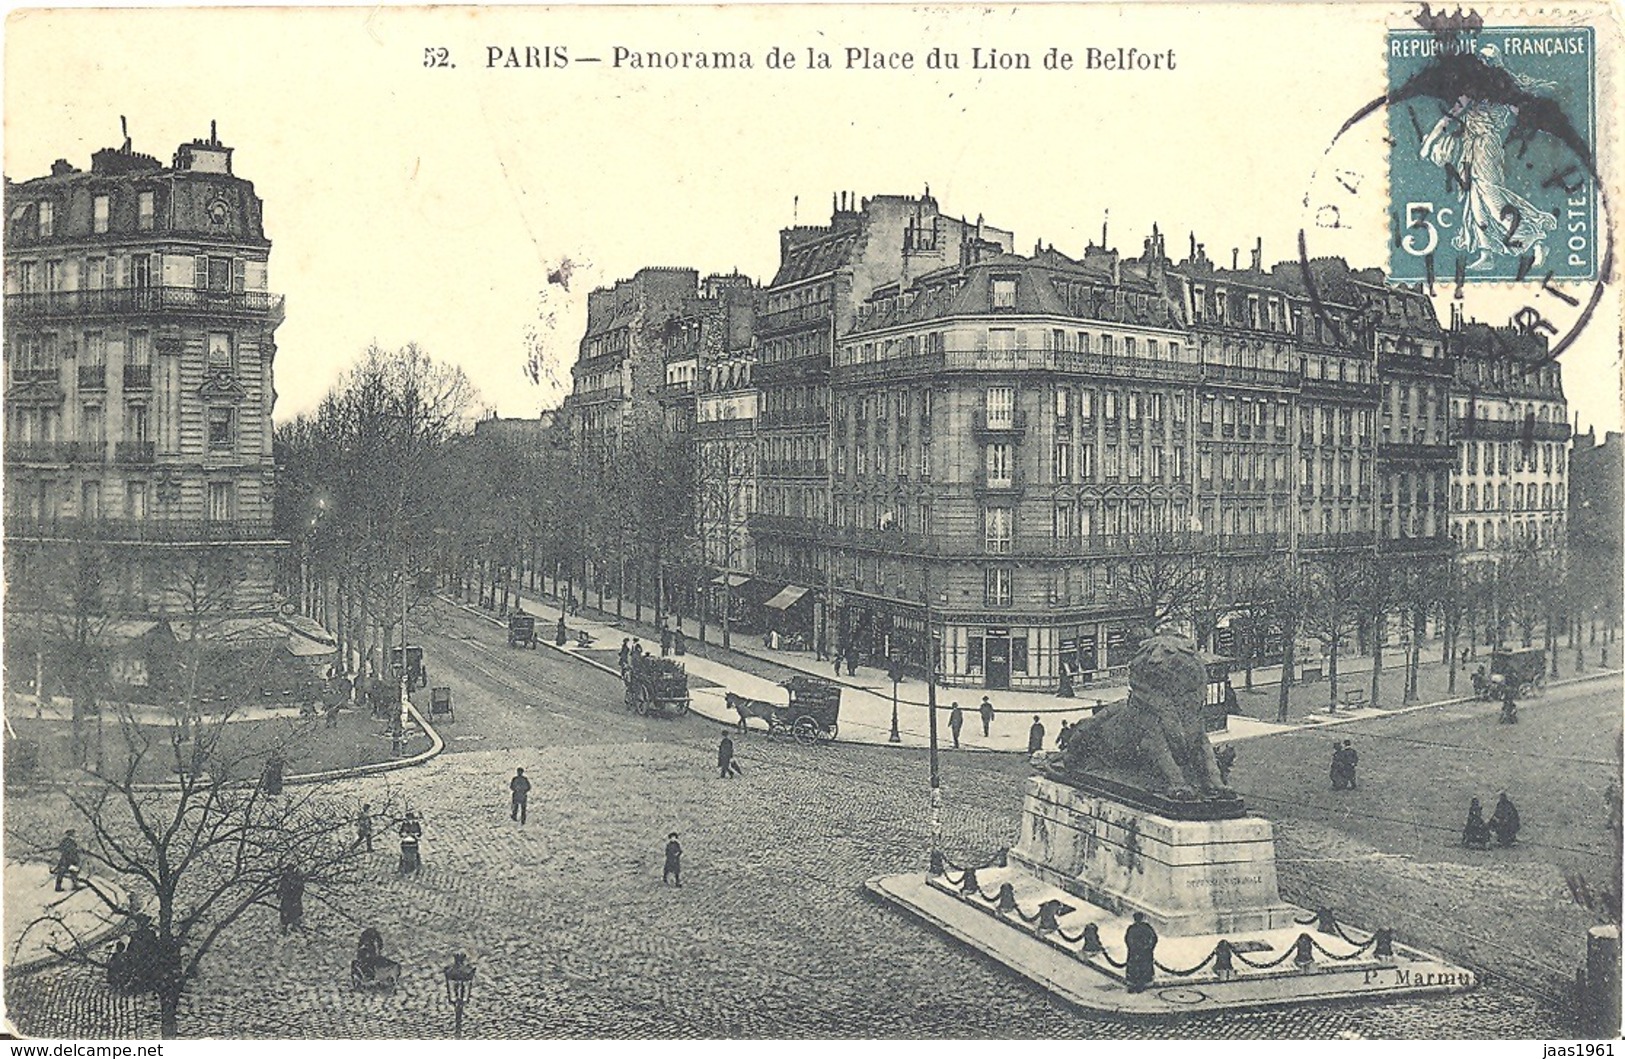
point(752, 669)
point(41, 922)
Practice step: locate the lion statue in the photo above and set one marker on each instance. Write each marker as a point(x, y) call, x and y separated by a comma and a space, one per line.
point(1154, 741)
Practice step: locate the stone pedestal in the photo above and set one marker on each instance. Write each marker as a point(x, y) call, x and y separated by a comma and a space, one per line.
point(1187, 876)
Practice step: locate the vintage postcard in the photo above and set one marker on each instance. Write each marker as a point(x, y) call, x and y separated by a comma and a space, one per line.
point(808, 521)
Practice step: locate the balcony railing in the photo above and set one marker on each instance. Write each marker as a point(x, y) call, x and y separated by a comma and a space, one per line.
point(42, 451)
point(1415, 452)
point(35, 373)
point(162, 531)
point(1341, 389)
point(1237, 375)
point(133, 452)
point(1416, 545)
point(776, 417)
point(1508, 430)
point(791, 317)
point(142, 300)
point(788, 526)
point(93, 376)
point(1012, 483)
point(1013, 426)
point(672, 390)
point(1325, 541)
point(1412, 364)
point(138, 376)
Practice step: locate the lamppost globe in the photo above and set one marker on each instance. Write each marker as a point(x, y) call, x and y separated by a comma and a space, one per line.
point(459, 986)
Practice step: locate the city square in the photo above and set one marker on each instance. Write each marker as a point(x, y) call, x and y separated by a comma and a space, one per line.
point(502, 559)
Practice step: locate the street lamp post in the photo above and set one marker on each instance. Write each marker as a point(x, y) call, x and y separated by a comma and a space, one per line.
point(896, 675)
point(459, 986)
point(931, 710)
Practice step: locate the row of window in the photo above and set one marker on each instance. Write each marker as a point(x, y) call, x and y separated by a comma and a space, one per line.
point(43, 351)
point(1474, 535)
point(1497, 498)
point(46, 499)
point(29, 426)
point(1512, 457)
point(101, 213)
point(211, 272)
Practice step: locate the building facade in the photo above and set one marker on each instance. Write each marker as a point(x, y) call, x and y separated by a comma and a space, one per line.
point(1509, 485)
point(139, 344)
point(825, 272)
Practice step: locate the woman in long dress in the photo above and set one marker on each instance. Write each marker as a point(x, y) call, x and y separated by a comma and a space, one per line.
point(1471, 141)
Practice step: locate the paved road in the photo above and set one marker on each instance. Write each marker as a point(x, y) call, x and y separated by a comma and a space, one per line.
point(575, 935)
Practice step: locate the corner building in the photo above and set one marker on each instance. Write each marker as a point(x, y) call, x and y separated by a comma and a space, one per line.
point(139, 344)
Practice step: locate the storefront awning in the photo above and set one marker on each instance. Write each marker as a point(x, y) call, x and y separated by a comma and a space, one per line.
point(787, 598)
point(731, 580)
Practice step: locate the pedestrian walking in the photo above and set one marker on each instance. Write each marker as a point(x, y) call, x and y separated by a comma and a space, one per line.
point(674, 861)
point(67, 860)
point(1067, 681)
point(272, 778)
point(725, 759)
point(1351, 758)
point(1141, 941)
point(852, 663)
point(290, 897)
point(411, 837)
point(986, 710)
point(520, 787)
point(956, 721)
point(1509, 704)
point(1476, 835)
point(1504, 822)
point(626, 653)
point(679, 641)
point(561, 634)
point(838, 657)
point(1063, 735)
point(665, 642)
point(363, 827)
point(1339, 767)
point(1225, 758)
point(1035, 736)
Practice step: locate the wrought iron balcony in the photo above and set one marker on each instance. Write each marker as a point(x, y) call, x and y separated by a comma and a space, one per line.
point(1010, 428)
point(133, 452)
point(138, 376)
point(1336, 541)
point(42, 451)
point(188, 300)
point(1011, 484)
point(93, 376)
point(148, 530)
point(1415, 452)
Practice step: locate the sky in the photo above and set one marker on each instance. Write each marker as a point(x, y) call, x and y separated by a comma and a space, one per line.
point(430, 203)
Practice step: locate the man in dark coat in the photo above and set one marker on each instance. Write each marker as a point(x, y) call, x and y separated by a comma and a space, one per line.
point(1141, 939)
point(725, 759)
point(986, 710)
point(1509, 703)
point(674, 861)
point(1476, 835)
point(67, 860)
point(1035, 736)
point(956, 721)
point(679, 642)
point(520, 786)
point(274, 766)
point(363, 827)
point(1504, 822)
point(1351, 758)
point(626, 653)
point(290, 895)
point(665, 642)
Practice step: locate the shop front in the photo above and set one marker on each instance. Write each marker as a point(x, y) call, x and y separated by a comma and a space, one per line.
point(1034, 657)
point(789, 616)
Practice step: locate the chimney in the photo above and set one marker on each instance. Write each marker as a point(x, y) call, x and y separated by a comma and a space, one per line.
point(1235, 258)
point(1258, 255)
point(1192, 255)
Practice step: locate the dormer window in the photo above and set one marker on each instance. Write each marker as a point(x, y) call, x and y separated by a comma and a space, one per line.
point(145, 210)
point(1004, 292)
point(101, 211)
point(47, 220)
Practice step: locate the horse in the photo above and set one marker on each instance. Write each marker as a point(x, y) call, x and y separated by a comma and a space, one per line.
point(748, 708)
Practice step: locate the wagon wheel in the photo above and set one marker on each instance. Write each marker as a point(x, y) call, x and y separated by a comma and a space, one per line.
point(832, 731)
point(640, 702)
point(805, 730)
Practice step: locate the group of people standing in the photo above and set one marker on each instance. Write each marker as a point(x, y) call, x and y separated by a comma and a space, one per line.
point(1502, 825)
point(1344, 760)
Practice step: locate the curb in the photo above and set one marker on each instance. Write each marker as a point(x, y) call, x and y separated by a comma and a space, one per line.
point(89, 942)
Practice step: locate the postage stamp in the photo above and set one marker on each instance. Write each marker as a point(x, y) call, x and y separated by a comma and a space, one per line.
point(1492, 174)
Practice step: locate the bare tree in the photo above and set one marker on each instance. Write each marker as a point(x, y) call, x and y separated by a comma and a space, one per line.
point(1161, 579)
point(1334, 585)
point(192, 856)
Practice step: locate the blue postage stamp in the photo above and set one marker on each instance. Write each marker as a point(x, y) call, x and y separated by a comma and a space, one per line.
point(1491, 160)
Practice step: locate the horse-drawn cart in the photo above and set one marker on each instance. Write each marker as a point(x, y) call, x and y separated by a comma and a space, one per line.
point(812, 712)
point(656, 686)
point(440, 704)
point(1524, 669)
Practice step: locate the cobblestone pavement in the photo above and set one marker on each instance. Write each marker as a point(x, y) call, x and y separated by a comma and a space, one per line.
point(575, 935)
